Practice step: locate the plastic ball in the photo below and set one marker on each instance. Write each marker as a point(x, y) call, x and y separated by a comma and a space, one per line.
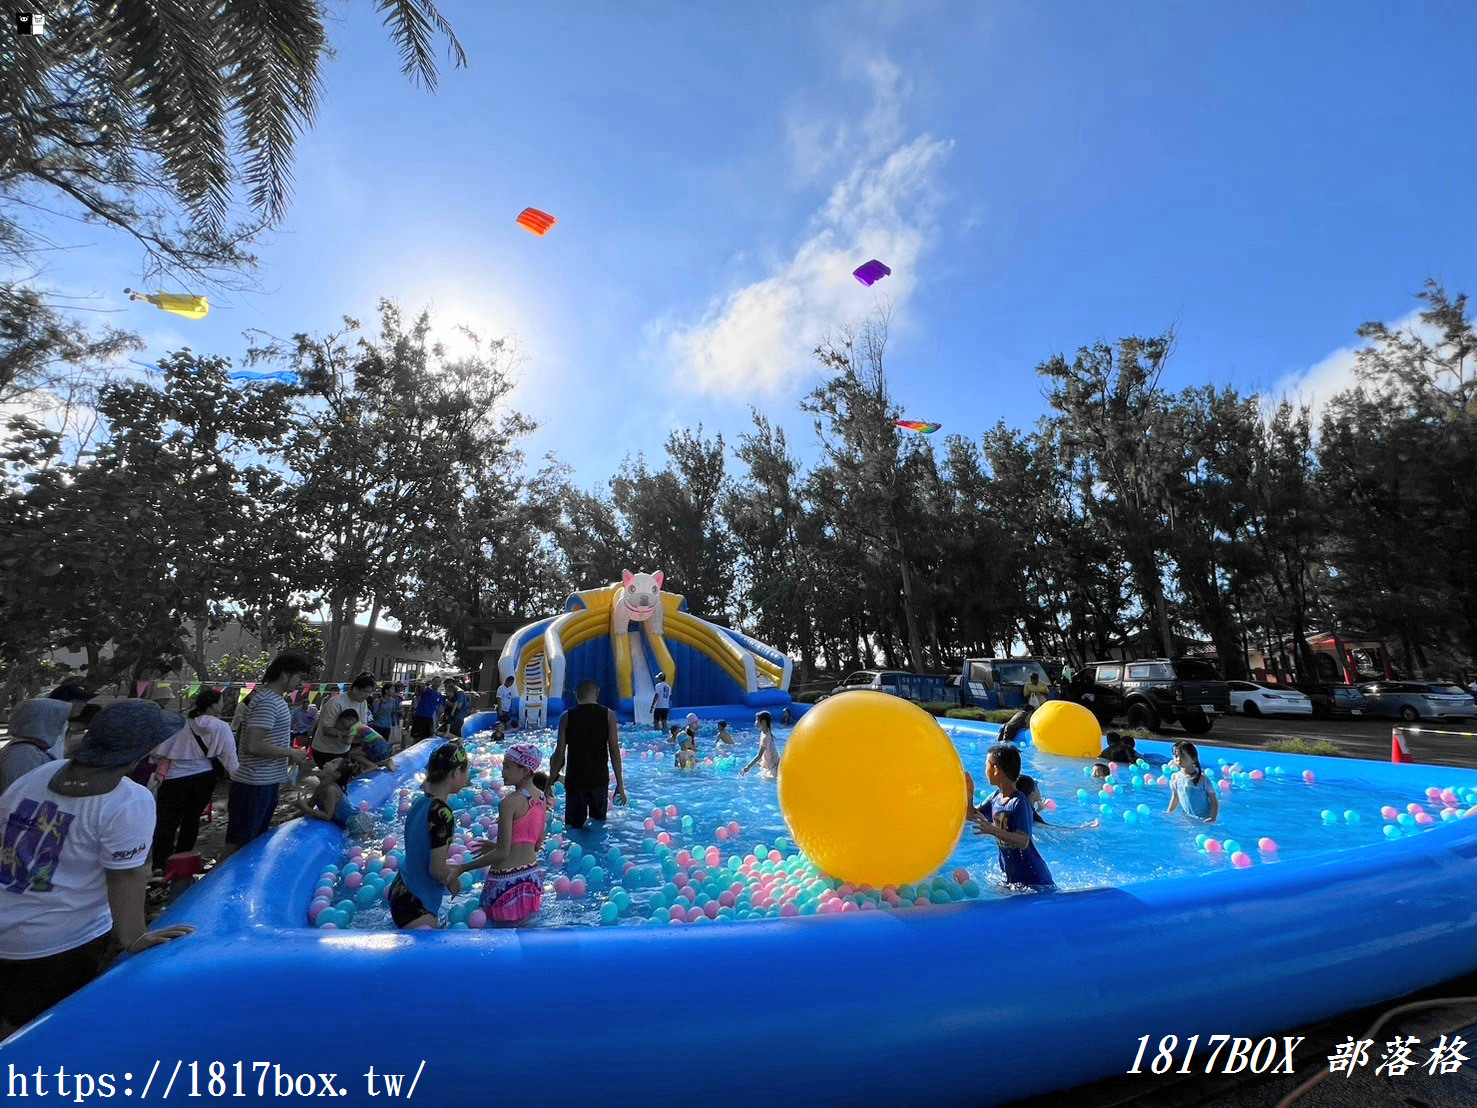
point(1143, 810)
point(1391, 831)
point(1057, 727)
point(1328, 817)
point(561, 885)
point(1130, 816)
point(721, 834)
point(577, 887)
point(856, 768)
point(1212, 846)
point(1389, 813)
point(1351, 816)
point(476, 919)
point(1240, 860)
point(609, 913)
point(1266, 846)
point(1308, 776)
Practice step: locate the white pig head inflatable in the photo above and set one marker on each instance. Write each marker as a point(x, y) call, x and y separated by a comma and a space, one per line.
point(639, 600)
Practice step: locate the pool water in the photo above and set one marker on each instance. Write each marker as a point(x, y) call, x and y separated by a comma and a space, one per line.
point(707, 845)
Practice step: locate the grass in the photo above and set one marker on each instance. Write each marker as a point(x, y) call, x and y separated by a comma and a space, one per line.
point(1321, 747)
point(982, 714)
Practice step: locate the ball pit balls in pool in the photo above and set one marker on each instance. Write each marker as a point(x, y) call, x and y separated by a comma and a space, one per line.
point(871, 789)
point(1067, 729)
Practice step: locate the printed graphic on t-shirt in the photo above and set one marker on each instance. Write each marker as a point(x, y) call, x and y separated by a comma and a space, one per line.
point(34, 836)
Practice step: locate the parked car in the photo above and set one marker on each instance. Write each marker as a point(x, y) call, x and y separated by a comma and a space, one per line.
point(1417, 700)
point(1154, 691)
point(1331, 701)
point(1253, 699)
point(878, 680)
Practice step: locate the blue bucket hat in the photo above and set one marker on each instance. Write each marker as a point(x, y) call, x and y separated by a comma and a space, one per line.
point(124, 732)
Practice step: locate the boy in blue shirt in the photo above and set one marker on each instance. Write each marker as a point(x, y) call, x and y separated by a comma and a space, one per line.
point(425, 713)
point(1008, 818)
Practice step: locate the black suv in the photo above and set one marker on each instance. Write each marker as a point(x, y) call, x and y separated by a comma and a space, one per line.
point(1150, 692)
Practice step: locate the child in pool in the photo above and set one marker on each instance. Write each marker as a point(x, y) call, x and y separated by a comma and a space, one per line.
point(331, 800)
point(687, 754)
point(1008, 818)
point(1190, 788)
point(427, 876)
point(672, 738)
point(1119, 748)
point(1027, 787)
point(514, 888)
point(723, 737)
point(769, 754)
point(692, 726)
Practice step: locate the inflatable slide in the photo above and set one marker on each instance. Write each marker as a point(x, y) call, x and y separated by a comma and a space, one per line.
point(622, 636)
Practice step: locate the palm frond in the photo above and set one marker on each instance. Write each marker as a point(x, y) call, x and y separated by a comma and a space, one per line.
point(412, 24)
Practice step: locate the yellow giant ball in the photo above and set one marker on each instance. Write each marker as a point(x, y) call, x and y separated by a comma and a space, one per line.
point(1061, 727)
point(870, 788)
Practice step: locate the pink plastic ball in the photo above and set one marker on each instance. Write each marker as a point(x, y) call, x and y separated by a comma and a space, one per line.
point(1266, 846)
point(392, 862)
point(577, 887)
point(672, 811)
point(466, 819)
point(316, 909)
point(677, 912)
point(1240, 860)
point(353, 881)
point(364, 805)
point(1390, 812)
point(684, 857)
point(561, 885)
point(1424, 819)
point(1414, 809)
point(664, 838)
point(477, 919)
point(1433, 793)
point(404, 809)
point(1212, 846)
point(658, 815)
point(389, 844)
point(710, 909)
point(1110, 789)
point(961, 875)
point(725, 899)
point(680, 880)
point(1050, 805)
point(1225, 786)
point(721, 834)
point(556, 858)
point(649, 825)
point(1308, 776)
point(776, 856)
point(787, 910)
point(1258, 775)
point(734, 828)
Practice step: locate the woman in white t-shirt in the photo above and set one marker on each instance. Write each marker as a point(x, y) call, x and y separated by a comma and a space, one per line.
point(189, 777)
point(73, 875)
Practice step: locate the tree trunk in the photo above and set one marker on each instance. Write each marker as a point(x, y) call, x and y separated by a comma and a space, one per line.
point(362, 651)
point(915, 640)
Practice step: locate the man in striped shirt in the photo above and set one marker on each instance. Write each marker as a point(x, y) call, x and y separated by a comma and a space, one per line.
point(267, 753)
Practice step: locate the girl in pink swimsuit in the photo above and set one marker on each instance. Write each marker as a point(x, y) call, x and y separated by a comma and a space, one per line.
point(514, 888)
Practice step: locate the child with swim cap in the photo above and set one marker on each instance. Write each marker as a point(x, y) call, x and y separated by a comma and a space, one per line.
point(1190, 788)
point(769, 756)
point(1008, 818)
point(427, 876)
point(514, 889)
point(692, 725)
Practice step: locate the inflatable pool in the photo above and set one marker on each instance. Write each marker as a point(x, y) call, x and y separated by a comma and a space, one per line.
point(980, 1001)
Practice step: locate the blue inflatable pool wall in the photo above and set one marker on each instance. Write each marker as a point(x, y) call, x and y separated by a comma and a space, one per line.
point(980, 1001)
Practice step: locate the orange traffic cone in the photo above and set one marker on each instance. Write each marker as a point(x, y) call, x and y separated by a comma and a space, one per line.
point(1399, 752)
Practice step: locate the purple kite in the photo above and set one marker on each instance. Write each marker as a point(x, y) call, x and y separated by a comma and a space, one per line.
point(869, 273)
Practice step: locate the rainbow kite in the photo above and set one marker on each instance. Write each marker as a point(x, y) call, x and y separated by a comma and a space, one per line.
point(536, 221)
point(869, 273)
point(917, 425)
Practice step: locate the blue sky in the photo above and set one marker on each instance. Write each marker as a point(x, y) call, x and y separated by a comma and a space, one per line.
point(1264, 178)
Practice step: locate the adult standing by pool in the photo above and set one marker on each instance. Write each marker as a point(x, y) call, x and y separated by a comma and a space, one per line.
point(38, 734)
point(267, 754)
point(423, 716)
point(189, 781)
point(77, 847)
point(589, 738)
point(458, 703)
point(1036, 691)
point(331, 740)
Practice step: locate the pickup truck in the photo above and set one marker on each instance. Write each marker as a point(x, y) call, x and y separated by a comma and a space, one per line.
point(1150, 692)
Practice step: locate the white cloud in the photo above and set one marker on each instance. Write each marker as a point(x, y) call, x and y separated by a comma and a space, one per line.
point(1334, 373)
point(758, 338)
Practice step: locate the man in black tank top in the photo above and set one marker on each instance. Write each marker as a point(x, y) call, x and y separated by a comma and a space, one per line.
point(589, 741)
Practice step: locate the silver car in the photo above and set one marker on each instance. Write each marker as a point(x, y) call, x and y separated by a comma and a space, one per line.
point(1417, 700)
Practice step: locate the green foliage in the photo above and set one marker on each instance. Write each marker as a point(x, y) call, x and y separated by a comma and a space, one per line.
point(242, 667)
point(937, 707)
point(1321, 747)
point(980, 714)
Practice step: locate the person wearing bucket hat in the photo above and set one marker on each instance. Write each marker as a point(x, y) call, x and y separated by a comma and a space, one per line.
point(426, 876)
point(514, 888)
point(77, 838)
